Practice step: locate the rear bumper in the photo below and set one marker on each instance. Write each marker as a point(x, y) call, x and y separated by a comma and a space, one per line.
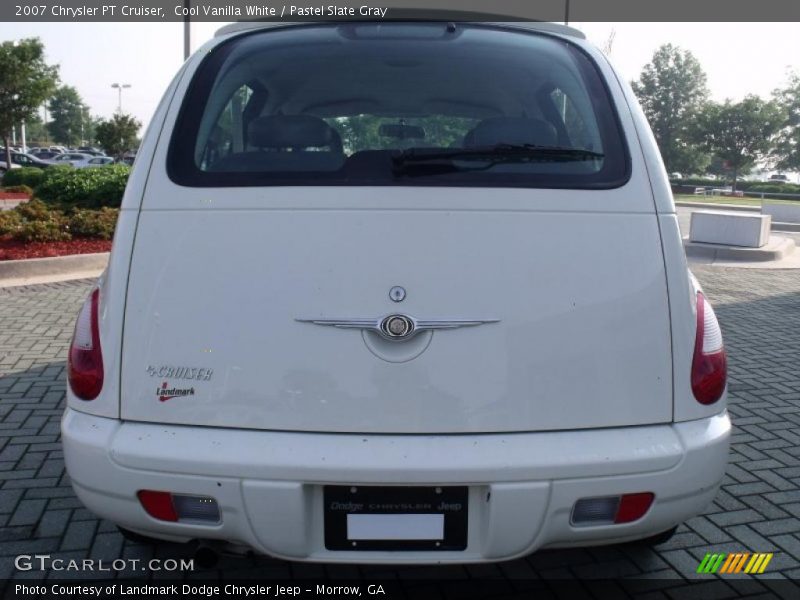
point(269, 484)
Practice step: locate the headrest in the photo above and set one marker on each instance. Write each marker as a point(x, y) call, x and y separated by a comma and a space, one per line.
point(512, 130)
point(293, 131)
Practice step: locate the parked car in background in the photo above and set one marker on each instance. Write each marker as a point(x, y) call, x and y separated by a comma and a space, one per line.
point(99, 161)
point(45, 154)
point(778, 178)
point(90, 150)
point(76, 159)
point(338, 347)
point(28, 160)
point(4, 165)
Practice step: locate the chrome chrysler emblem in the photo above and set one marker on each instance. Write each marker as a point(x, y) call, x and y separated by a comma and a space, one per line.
point(398, 328)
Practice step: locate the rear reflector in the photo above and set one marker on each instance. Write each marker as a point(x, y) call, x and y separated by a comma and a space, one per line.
point(158, 505)
point(85, 359)
point(611, 509)
point(709, 363)
point(633, 507)
point(166, 506)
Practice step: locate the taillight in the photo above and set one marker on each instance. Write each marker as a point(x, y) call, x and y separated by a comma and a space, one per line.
point(709, 364)
point(166, 506)
point(85, 362)
point(609, 510)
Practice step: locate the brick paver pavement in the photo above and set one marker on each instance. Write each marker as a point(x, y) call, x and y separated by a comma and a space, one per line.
point(757, 509)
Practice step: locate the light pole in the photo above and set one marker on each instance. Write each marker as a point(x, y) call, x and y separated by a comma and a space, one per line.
point(120, 87)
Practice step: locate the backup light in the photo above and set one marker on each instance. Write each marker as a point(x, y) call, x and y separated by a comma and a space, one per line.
point(196, 508)
point(166, 506)
point(611, 510)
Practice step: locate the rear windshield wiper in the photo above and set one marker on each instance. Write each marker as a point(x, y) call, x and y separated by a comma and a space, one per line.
point(433, 160)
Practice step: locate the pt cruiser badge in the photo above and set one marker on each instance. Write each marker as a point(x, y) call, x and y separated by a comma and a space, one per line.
point(174, 372)
point(398, 328)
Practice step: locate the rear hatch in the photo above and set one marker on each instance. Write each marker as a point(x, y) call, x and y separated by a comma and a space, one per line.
point(244, 264)
point(581, 338)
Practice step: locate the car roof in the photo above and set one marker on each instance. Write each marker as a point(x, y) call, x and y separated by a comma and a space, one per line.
point(489, 19)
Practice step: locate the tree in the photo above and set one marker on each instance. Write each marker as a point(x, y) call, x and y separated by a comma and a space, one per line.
point(67, 113)
point(672, 90)
point(26, 81)
point(118, 134)
point(739, 133)
point(787, 146)
point(35, 130)
point(89, 125)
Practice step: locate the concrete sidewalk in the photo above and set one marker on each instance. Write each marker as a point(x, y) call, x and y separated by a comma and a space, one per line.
point(49, 270)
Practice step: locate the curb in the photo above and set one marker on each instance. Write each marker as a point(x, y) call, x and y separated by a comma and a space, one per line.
point(777, 248)
point(53, 266)
point(717, 206)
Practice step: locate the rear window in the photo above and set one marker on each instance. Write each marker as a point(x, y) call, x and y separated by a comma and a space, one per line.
point(398, 104)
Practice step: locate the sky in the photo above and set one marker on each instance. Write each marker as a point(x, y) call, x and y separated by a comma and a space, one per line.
point(739, 58)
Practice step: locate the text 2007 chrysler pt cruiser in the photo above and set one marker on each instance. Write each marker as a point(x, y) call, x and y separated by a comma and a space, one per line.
point(397, 292)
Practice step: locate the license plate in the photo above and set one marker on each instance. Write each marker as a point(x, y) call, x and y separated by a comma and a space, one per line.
point(395, 518)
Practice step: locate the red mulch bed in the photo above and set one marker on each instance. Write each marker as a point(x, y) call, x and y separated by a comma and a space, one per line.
point(14, 196)
point(15, 250)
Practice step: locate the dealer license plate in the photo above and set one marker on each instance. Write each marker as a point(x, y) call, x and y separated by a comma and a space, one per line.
point(395, 518)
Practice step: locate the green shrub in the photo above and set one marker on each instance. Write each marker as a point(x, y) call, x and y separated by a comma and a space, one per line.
point(777, 188)
point(98, 224)
point(17, 189)
point(699, 182)
point(35, 210)
point(9, 222)
point(52, 230)
point(34, 221)
point(84, 188)
point(30, 176)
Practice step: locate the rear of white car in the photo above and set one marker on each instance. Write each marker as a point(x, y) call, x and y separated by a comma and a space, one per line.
point(402, 293)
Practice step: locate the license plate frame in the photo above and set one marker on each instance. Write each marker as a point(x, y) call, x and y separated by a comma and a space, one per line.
point(451, 502)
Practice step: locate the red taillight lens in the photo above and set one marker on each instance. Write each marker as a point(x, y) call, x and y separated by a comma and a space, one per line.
point(85, 362)
point(158, 505)
point(633, 507)
point(709, 364)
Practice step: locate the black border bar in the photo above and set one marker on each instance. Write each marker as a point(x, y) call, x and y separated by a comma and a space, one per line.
point(157, 11)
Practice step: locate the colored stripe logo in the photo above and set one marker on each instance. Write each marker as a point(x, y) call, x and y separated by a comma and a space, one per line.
point(735, 562)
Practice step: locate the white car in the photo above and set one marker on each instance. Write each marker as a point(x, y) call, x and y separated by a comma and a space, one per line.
point(76, 159)
point(412, 293)
point(99, 161)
